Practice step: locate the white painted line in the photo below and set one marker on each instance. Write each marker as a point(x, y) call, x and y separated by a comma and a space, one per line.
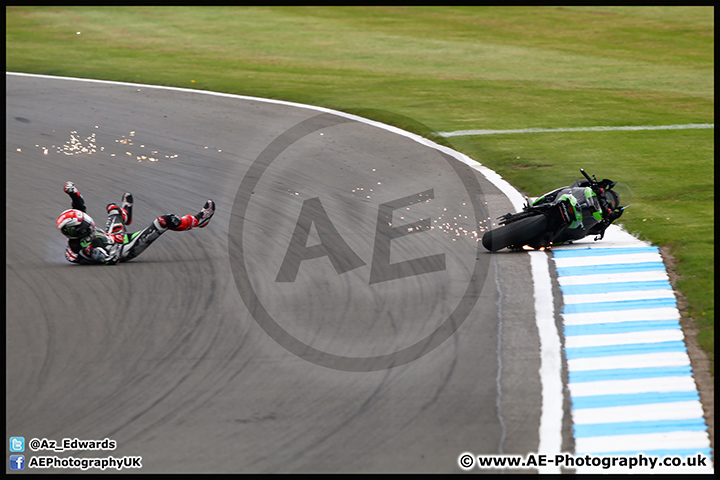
point(648, 441)
point(607, 260)
point(602, 251)
point(686, 126)
point(704, 468)
point(663, 359)
point(636, 385)
point(617, 296)
point(614, 278)
point(550, 358)
point(648, 314)
point(638, 413)
point(600, 340)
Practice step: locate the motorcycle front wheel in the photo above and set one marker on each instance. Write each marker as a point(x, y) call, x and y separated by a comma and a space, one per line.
point(517, 234)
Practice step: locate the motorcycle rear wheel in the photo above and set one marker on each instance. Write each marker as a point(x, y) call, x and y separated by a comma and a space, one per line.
point(518, 233)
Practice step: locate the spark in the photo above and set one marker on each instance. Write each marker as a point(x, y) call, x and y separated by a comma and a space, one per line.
point(78, 145)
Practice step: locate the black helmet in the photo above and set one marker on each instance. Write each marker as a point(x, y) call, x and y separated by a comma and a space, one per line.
point(612, 199)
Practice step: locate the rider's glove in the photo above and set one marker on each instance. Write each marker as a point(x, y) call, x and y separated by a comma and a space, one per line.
point(70, 255)
point(78, 202)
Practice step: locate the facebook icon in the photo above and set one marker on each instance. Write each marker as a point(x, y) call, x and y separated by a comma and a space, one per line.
point(17, 462)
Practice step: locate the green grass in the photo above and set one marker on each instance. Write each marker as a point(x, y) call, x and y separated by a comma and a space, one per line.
point(449, 68)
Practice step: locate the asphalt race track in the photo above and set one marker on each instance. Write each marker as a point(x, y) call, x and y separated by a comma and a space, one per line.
point(336, 315)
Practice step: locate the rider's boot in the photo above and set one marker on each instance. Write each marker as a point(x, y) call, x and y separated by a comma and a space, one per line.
point(204, 216)
point(123, 214)
point(186, 222)
point(127, 204)
point(115, 225)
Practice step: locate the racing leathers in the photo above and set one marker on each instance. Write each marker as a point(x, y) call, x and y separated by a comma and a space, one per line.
point(88, 244)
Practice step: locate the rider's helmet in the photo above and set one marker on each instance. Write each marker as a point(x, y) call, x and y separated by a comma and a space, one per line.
point(619, 196)
point(75, 223)
point(612, 199)
point(615, 199)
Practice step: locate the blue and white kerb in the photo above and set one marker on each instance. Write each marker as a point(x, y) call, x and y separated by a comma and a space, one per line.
point(630, 378)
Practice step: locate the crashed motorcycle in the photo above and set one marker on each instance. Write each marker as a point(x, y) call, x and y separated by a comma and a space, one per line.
point(566, 214)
